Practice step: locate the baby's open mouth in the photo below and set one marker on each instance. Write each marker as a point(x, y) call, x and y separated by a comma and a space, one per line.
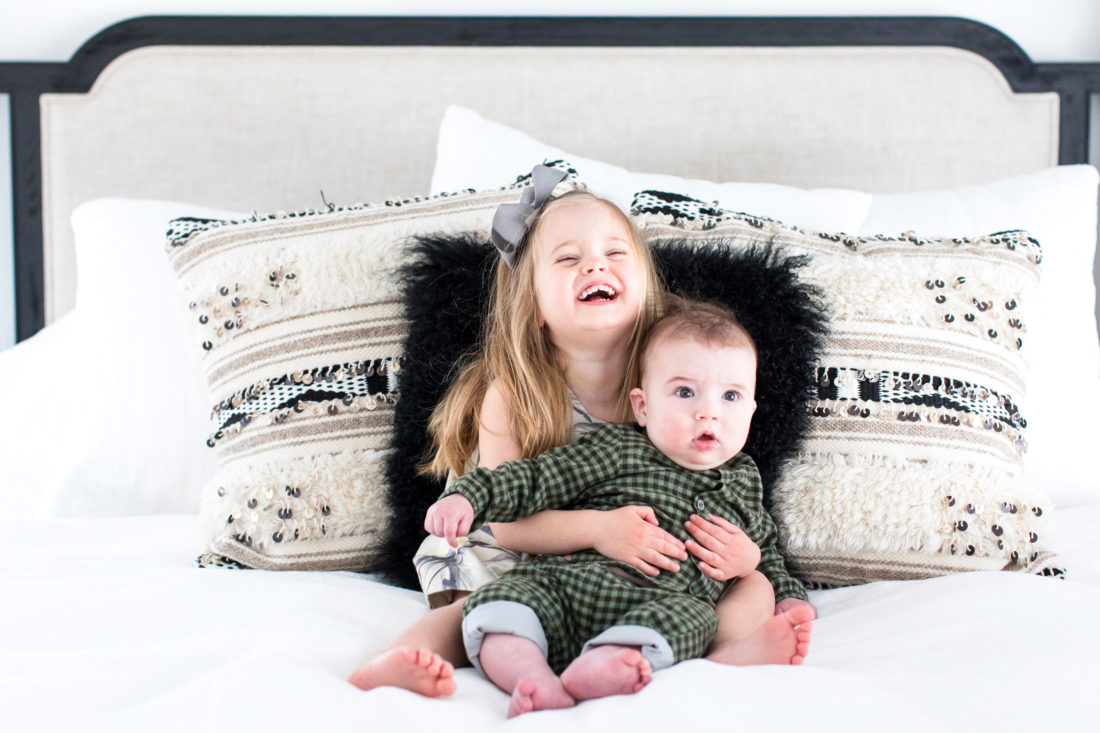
point(597, 293)
point(706, 439)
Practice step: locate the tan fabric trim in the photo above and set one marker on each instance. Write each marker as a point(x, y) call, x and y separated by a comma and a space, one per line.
point(865, 566)
point(885, 345)
point(1046, 562)
point(362, 430)
point(220, 241)
point(856, 568)
point(808, 241)
point(290, 353)
point(317, 339)
point(339, 553)
point(883, 436)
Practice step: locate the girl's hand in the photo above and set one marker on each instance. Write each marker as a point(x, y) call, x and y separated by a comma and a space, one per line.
point(630, 535)
point(450, 518)
point(724, 551)
point(788, 603)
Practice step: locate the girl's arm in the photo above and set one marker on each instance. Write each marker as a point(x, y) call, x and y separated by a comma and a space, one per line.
point(628, 534)
point(495, 442)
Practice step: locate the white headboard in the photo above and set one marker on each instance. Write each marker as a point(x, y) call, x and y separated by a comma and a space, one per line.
point(266, 126)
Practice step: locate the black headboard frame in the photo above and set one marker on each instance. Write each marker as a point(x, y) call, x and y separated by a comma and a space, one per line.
point(26, 82)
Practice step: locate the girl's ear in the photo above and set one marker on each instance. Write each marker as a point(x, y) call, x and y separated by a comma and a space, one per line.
point(637, 402)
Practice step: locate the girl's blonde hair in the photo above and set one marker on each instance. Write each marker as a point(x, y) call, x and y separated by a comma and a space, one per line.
point(517, 353)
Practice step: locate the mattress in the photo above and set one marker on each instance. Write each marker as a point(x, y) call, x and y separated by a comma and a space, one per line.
point(109, 625)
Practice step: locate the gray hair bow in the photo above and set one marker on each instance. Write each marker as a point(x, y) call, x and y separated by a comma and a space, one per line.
point(511, 221)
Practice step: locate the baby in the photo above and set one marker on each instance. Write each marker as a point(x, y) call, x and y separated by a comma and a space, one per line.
point(603, 626)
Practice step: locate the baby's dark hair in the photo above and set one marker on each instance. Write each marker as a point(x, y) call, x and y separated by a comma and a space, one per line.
point(698, 320)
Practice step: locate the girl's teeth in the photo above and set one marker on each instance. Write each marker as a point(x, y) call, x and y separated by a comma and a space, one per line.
point(605, 290)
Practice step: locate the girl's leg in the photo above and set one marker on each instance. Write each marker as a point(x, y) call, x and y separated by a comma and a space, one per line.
point(440, 630)
point(422, 658)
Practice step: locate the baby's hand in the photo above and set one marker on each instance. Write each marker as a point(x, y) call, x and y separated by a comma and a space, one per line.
point(723, 550)
point(450, 518)
point(630, 535)
point(788, 603)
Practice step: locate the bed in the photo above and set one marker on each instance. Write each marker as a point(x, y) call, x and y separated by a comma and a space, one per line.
point(934, 138)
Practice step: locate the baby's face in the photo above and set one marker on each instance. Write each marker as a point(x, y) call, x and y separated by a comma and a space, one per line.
point(696, 400)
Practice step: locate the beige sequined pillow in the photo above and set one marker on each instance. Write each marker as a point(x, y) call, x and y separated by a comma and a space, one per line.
point(913, 463)
point(300, 326)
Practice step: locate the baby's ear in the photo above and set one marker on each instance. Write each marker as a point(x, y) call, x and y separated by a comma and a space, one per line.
point(637, 402)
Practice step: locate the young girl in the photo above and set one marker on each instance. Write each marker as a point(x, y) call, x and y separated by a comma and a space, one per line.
point(572, 299)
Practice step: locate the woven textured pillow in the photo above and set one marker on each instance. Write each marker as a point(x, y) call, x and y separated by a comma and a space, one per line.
point(446, 286)
point(300, 325)
point(913, 463)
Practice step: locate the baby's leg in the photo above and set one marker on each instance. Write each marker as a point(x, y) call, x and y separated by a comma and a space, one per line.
point(515, 630)
point(607, 670)
point(782, 639)
point(518, 666)
point(659, 629)
point(422, 658)
point(668, 626)
point(744, 609)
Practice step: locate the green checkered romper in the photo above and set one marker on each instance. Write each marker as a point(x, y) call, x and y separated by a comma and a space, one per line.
point(579, 597)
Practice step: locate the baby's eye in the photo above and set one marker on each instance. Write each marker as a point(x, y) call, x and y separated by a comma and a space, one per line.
point(731, 396)
point(684, 392)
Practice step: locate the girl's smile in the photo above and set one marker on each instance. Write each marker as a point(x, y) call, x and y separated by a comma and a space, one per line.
point(599, 293)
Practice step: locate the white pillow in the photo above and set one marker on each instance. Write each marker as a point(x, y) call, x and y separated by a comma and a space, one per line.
point(105, 408)
point(477, 153)
point(1059, 207)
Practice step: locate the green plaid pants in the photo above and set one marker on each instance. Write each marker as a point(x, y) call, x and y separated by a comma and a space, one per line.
point(576, 603)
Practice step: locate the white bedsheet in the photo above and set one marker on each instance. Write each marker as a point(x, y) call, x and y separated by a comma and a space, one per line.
point(108, 625)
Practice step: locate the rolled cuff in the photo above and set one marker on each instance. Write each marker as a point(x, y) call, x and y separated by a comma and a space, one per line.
point(654, 647)
point(500, 617)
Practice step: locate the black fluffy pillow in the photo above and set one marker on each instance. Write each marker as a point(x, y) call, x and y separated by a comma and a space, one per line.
point(445, 290)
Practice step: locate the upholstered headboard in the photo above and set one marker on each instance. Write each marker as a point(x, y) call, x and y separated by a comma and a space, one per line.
point(264, 113)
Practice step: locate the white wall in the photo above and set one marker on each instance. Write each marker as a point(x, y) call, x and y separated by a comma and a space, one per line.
point(52, 30)
point(1053, 30)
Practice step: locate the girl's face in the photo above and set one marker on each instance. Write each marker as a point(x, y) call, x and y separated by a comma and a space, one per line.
point(589, 282)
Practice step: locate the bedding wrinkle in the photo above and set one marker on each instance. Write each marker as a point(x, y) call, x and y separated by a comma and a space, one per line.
point(911, 646)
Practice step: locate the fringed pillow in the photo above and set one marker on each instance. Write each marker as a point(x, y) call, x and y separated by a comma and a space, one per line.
point(300, 324)
point(446, 287)
point(913, 463)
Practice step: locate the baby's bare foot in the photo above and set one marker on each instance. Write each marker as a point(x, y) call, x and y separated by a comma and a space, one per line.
point(538, 692)
point(418, 670)
point(782, 639)
point(607, 670)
